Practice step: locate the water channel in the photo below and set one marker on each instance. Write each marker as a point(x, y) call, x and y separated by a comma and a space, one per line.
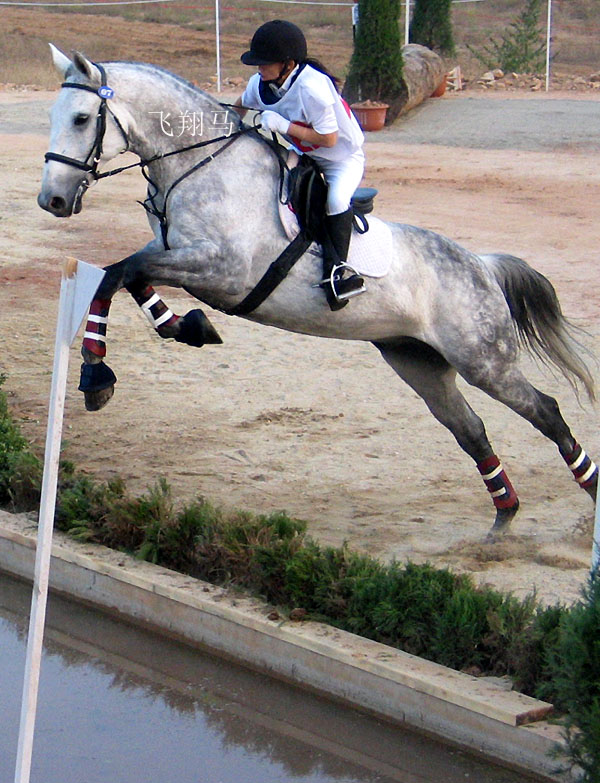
point(118, 704)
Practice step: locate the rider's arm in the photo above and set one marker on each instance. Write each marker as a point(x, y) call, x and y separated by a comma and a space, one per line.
point(311, 136)
point(237, 106)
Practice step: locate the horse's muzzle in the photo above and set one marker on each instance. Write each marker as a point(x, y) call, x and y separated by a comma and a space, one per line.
point(62, 206)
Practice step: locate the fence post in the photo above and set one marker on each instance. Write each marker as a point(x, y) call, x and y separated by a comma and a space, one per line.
point(78, 285)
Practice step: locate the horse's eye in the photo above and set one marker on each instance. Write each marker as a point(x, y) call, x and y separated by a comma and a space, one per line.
point(81, 119)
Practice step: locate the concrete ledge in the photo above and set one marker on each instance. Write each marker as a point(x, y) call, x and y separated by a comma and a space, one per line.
point(469, 711)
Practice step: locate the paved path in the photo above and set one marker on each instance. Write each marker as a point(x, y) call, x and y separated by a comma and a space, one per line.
point(535, 123)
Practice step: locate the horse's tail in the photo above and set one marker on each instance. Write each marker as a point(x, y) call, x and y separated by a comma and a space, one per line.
point(541, 326)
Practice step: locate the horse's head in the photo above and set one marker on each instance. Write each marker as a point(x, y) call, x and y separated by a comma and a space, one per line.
point(84, 130)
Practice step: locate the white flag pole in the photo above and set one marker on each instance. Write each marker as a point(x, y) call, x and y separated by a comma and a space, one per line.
point(548, 43)
point(596, 539)
point(218, 36)
point(406, 22)
point(70, 315)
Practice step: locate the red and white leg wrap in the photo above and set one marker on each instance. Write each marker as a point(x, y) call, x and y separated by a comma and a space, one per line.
point(584, 470)
point(94, 338)
point(497, 483)
point(153, 307)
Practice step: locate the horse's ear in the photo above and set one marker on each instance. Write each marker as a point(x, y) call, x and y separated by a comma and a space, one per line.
point(60, 60)
point(83, 65)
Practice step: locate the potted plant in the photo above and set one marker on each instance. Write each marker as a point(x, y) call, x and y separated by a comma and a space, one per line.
point(374, 87)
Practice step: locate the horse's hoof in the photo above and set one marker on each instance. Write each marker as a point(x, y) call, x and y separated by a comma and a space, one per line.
point(98, 399)
point(195, 329)
point(501, 526)
point(97, 382)
point(96, 377)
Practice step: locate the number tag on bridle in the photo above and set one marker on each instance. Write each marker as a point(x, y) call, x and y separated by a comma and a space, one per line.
point(106, 92)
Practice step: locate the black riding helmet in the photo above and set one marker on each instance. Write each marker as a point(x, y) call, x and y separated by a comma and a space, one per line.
point(276, 42)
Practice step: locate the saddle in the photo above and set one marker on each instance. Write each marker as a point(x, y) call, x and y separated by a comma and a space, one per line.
point(307, 196)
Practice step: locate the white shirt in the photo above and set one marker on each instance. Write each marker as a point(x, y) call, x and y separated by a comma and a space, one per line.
point(312, 100)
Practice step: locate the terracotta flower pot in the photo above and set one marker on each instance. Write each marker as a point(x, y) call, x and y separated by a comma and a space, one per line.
point(370, 118)
point(441, 88)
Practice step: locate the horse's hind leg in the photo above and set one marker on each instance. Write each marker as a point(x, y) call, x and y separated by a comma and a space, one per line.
point(434, 380)
point(542, 411)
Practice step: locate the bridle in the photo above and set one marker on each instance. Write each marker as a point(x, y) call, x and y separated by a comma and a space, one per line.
point(104, 92)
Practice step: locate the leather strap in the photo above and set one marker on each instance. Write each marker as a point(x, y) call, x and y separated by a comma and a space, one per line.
point(276, 272)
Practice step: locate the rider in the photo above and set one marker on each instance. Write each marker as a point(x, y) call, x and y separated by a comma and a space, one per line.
point(298, 98)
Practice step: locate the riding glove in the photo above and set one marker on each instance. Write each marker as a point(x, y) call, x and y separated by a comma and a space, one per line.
point(271, 121)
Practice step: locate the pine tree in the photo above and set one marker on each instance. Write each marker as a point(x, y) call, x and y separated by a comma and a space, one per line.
point(522, 48)
point(376, 65)
point(575, 666)
point(431, 25)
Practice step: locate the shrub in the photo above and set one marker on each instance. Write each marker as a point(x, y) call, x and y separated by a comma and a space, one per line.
point(522, 48)
point(20, 471)
point(376, 66)
point(575, 684)
point(431, 25)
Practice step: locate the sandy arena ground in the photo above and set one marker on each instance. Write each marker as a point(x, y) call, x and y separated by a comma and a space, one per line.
point(322, 429)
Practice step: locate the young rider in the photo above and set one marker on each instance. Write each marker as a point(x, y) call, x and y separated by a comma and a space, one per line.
point(298, 98)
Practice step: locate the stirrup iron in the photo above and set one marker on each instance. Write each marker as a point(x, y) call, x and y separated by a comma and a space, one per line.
point(335, 279)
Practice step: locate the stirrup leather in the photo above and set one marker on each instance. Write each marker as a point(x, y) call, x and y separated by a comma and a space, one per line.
point(336, 277)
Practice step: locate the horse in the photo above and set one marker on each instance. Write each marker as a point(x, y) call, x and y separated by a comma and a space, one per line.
point(440, 311)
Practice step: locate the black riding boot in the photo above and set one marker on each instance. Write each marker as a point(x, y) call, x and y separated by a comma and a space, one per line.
point(338, 230)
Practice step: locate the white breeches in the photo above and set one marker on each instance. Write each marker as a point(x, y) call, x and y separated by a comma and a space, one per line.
point(342, 177)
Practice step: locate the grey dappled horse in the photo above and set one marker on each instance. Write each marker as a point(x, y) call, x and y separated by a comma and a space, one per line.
point(441, 310)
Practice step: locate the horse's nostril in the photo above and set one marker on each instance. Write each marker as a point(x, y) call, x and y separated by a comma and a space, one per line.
point(57, 202)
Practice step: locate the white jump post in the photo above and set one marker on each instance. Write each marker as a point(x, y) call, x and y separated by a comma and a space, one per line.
point(596, 540)
point(548, 43)
point(406, 22)
point(78, 286)
point(218, 43)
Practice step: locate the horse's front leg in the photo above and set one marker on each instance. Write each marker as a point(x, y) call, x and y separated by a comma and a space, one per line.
point(97, 379)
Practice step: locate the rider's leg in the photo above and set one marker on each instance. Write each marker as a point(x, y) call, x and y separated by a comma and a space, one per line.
point(343, 177)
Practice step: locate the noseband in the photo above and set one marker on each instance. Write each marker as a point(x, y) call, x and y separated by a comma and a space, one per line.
point(104, 92)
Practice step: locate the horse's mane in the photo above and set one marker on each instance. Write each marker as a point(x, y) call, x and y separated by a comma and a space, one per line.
point(164, 73)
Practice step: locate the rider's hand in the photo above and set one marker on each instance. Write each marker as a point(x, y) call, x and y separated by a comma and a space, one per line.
point(271, 121)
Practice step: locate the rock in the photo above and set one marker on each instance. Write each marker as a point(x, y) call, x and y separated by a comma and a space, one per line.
point(595, 77)
point(498, 73)
point(298, 614)
point(488, 76)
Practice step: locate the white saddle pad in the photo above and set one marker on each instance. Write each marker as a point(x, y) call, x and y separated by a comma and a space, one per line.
point(370, 253)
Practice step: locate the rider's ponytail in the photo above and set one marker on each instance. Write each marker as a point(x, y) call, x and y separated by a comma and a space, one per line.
point(318, 66)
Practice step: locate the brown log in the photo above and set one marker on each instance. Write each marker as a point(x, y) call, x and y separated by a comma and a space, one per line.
point(424, 72)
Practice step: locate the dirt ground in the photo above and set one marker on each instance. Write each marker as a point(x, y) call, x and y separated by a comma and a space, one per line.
point(320, 428)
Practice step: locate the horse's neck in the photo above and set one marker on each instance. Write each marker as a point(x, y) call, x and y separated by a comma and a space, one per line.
point(164, 110)
point(167, 112)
